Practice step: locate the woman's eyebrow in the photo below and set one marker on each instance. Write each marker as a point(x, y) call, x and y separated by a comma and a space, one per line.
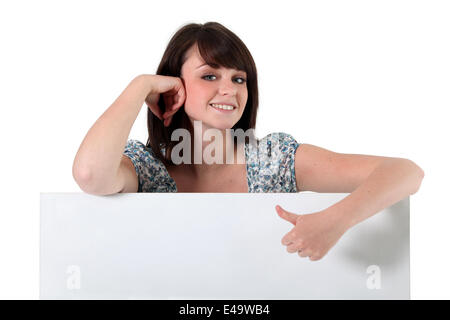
point(205, 64)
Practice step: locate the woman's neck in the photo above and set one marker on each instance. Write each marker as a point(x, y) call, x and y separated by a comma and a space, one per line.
point(214, 152)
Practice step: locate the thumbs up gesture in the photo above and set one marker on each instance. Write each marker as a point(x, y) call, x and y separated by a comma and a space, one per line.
point(313, 235)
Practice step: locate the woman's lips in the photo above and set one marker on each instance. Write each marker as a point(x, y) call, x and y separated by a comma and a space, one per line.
point(222, 110)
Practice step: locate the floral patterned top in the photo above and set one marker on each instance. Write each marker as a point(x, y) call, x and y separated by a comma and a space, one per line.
point(270, 165)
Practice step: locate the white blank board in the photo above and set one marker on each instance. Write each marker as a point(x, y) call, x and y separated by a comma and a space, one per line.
point(212, 246)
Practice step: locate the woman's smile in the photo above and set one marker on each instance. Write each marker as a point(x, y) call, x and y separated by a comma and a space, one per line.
point(223, 108)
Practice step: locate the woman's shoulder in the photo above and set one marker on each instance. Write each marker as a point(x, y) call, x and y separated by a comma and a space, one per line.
point(278, 136)
point(272, 163)
point(138, 151)
point(279, 141)
point(138, 147)
point(152, 173)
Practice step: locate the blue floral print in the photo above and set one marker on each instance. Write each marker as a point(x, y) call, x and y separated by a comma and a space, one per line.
point(270, 165)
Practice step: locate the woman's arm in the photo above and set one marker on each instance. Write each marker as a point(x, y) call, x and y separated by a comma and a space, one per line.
point(375, 183)
point(390, 182)
point(96, 164)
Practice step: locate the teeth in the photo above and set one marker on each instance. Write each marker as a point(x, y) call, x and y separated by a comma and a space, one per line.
point(222, 106)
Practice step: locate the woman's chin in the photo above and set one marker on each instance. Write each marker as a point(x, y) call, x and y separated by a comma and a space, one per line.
point(219, 126)
point(214, 124)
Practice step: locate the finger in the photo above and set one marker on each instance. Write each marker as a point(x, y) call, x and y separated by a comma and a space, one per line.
point(157, 112)
point(315, 258)
point(286, 215)
point(169, 107)
point(169, 120)
point(288, 239)
point(170, 113)
point(304, 253)
point(293, 247)
point(181, 97)
point(173, 108)
point(168, 103)
point(152, 103)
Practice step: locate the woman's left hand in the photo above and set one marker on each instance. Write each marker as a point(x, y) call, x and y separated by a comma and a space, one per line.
point(313, 234)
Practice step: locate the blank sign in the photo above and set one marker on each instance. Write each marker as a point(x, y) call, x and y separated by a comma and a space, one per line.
point(212, 246)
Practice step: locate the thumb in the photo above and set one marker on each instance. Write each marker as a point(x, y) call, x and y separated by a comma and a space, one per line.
point(286, 215)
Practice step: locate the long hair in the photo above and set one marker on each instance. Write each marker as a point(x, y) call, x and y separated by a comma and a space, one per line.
point(219, 47)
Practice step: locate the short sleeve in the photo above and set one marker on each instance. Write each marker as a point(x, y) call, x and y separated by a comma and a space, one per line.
point(152, 174)
point(276, 163)
point(287, 146)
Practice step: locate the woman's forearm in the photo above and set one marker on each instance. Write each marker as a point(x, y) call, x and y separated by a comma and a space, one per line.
point(389, 183)
point(98, 159)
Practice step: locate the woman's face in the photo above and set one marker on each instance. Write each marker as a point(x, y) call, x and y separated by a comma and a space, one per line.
point(205, 86)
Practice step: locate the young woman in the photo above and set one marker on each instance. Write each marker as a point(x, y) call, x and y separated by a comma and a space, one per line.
point(207, 80)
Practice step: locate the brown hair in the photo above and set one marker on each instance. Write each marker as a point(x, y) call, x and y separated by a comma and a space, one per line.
point(218, 46)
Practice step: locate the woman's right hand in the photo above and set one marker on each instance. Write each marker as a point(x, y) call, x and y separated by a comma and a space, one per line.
point(173, 92)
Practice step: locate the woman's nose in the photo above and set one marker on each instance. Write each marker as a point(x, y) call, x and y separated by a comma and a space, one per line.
point(227, 87)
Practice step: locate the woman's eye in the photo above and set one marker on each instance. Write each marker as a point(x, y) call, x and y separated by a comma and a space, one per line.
point(209, 75)
point(242, 80)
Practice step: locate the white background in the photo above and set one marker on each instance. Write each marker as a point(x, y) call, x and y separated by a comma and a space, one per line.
point(366, 77)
